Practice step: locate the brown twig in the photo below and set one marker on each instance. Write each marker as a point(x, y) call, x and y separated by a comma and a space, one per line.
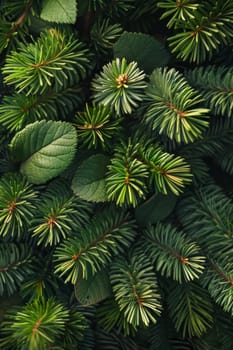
point(22, 17)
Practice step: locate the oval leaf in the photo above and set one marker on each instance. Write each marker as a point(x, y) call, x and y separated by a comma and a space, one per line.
point(93, 290)
point(59, 12)
point(89, 180)
point(155, 209)
point(45, 149)
point(148, 52)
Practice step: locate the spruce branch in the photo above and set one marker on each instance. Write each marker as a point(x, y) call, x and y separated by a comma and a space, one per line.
point(190, 309)
point(180, 11)
point(216, 139)
point(13, 32)
point(55, 60)
point(218, 280)
point(40, 282)
point(202, 36)
point(59, 213)
point(135, 288)
point(110, 317)
point(158, 146)
point(10, 40)
point(173, 254)
point(95, 4)
point(216, 86)
point(16, 10)
point(95, 246)
point(137, 167)
point(96, 126)
point(18, 110)
point(17, 205)
point(104, 35)
point(114, 340)
point(15, 265)
point(226, 162)
point(36, 325)
point(173, 107)
point(22, 17)
point(142, 9)
point(125, 180)
point(205, 216)
point(120, 86)
point(75, 329)
point(168, 172)
point(119, 8)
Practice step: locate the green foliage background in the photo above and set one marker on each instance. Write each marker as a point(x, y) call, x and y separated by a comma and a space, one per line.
point(116, 163)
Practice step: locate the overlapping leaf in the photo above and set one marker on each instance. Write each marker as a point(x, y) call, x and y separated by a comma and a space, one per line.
point(45, 149)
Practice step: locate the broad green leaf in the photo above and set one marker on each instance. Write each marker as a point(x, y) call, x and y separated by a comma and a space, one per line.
point(155, 209)
point(93, 290)
point(148, 52)
point(89, 179)
point(45, 149)
point(59, 11)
